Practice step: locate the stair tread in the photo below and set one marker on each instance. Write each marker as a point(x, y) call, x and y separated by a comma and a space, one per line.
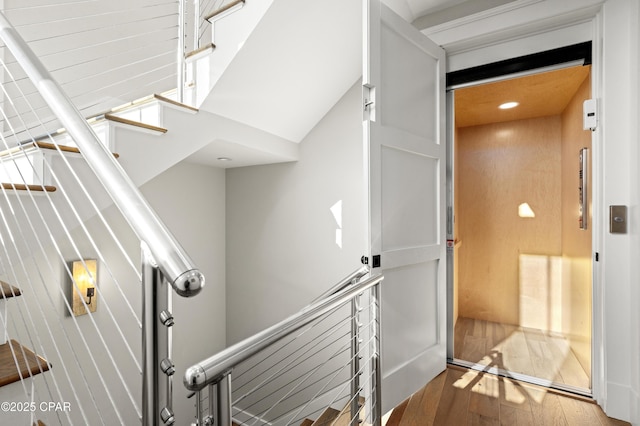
point(133, 123)
point(175, 103)
point(25, 187)
point(327, 417)
point(222, 9)
point(8, 290)
point(209, 47)
point(42, 145)
point(306, 422)
point(29, 364)
point(344, 417)
point(52, 146)
point(37, 144)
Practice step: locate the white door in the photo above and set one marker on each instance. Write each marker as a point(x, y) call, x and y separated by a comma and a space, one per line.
point(404, 81)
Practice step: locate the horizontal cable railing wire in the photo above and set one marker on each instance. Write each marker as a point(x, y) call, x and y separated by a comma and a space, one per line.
point(44, 232)
point(37, 107)
point(324, 358)
point(206, 7)
point(293, 381)
point(199, 33)
point(132, 44)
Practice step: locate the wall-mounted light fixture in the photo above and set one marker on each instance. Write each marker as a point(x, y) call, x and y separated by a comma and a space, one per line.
point(83, 287)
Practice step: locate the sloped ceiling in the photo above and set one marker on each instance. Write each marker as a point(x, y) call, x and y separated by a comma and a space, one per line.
point(103, 53)
point(301, 58)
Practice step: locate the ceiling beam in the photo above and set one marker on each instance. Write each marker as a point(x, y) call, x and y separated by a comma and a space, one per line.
point(457, 11)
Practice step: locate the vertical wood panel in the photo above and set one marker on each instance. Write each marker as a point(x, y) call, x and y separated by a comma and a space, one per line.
point(501, 166)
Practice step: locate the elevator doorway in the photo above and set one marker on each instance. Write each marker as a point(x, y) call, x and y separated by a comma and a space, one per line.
point(522, 239)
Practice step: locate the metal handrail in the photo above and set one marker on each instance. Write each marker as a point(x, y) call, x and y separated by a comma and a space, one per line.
point(343, 283)
point(172, 260)
point(212, 369)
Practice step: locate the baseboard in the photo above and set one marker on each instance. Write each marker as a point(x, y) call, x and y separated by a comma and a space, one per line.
point(635, 407)
point(619, 400)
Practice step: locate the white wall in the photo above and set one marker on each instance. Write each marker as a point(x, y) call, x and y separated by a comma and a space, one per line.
point(281, 233)
point(190, 199)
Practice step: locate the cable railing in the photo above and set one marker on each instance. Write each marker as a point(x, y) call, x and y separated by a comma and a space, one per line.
point(102, 52)
point(206, 12)
point(76, 234)
point(106, 52)
point(196, 36)
point(322, 362)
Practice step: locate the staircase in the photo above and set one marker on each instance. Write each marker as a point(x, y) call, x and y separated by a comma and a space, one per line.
point(17, 362)
point(171, 130)
point(333, 417)
point(216, 123)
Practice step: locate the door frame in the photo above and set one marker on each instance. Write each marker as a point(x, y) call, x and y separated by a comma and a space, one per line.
point(595, 21)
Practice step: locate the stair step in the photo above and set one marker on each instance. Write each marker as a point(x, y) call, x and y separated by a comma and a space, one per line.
point(344, 418)
point(39, 423)
point(327, 417)
point(52, 146)
point(31, 146)
point(136, 124)
point(306, 422)
point(29, 364)
point(176, 104)
point(200, 52)
point(219, 13)
point(63, 148)
point(42, 145)
point(8, 290)
point(25, 187)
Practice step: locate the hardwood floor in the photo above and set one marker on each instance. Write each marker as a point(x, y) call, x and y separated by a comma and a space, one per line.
point(459, 397)
point(521, 350)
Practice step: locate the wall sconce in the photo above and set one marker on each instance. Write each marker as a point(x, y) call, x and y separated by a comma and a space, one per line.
point(85, 277)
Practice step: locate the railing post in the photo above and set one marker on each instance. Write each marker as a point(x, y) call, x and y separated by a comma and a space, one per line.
point(223, 401)
point(196, 24)
point(355, 360)
point(376, 383)
point(157, 367)
point(182, 15)
point(199, 416)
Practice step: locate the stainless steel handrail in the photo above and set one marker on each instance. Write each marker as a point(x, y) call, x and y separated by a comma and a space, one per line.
point(345, 282)
point(170, 257)
point(212, 369)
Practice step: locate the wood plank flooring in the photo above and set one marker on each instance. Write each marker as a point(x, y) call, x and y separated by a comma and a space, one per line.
point(520, 350)
point(459, 397)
